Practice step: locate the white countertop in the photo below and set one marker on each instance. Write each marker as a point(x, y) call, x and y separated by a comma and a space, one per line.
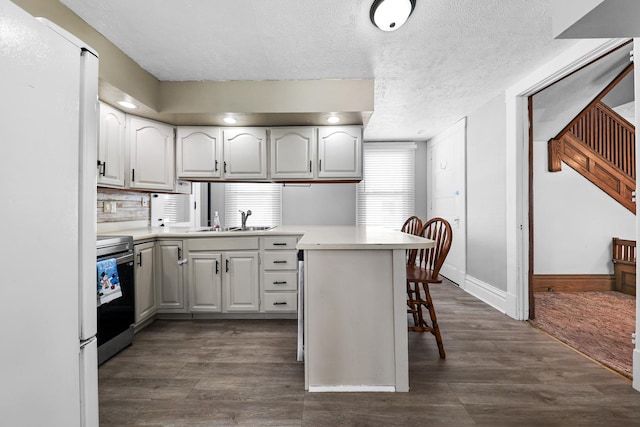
point(328, 238)
point(313, 237)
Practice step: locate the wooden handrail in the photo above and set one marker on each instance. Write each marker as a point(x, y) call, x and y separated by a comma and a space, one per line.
point(623, 250)
point(608, 134)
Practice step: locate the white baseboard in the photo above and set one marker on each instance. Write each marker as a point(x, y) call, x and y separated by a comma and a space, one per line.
point(636, 366)
point(487, 293)
point(352, 388)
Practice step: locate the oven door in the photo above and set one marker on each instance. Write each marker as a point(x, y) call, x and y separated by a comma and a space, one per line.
point(117, 316)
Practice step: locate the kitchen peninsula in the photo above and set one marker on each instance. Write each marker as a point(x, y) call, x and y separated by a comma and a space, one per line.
point(355, 319)
point(354, 295)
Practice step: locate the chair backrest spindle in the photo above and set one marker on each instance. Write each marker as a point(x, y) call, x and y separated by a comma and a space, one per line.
point(413, 225)
point(439, 230)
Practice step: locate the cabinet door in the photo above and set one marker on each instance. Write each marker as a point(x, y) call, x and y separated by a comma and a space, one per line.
point(340, 152)
point(241, 287)
point(198, 152)
point(205, 270)
point(292, 152)
point(151, 153)
point(170, 276)
point(245, 153)
point(111, 149)
point(145, 289)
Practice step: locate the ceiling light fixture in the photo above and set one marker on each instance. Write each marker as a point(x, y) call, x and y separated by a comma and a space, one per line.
point(389, 15)
point(127, 104)
point(230, 120)
point(333, 119)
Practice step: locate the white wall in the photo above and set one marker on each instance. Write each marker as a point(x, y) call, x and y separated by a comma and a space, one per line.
point(486, 192)
point(574, 221)
point(319, 204)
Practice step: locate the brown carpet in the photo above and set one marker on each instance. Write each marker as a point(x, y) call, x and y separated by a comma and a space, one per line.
point(598, 324)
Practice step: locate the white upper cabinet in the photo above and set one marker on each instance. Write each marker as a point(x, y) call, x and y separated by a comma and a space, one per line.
point(292, 153)
point(245, 153)
point(151, 154)
point(198, 152)
point(111, 148)
point(340, 152)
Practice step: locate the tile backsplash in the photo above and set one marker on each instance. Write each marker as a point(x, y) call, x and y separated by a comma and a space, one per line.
point(115, 205)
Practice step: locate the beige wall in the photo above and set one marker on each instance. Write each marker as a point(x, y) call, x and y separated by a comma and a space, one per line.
point(260, 103)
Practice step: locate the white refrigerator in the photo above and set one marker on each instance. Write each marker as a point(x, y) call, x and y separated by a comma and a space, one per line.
point(48, 137)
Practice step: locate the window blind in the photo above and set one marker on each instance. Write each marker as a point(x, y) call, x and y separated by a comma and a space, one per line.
point(264, 200)
point(386, 194)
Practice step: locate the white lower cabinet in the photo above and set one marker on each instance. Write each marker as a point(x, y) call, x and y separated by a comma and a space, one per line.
point(241, 287)
point(205, 292)
point(170, 274)
point(145, 292)
point(224, 275)
point(279, 274)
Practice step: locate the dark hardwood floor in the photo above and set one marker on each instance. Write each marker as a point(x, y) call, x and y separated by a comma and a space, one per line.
point(498, 372)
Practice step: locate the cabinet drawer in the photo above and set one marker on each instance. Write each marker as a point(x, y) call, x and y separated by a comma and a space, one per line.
point(281, 301)
point(280, 281)
point(288, 242)
point(280, 260)
point(222, 243)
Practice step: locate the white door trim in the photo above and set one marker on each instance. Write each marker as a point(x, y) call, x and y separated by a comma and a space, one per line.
point(517, 162)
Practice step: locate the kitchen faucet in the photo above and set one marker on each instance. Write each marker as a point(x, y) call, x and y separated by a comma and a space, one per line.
point(244, 218)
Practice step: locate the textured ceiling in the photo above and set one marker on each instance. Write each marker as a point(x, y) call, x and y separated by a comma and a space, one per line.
point(450, 58)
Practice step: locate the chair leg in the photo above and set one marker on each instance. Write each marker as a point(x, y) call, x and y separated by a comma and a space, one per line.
point(411, 302)
point(419, 302)
point(434, 320)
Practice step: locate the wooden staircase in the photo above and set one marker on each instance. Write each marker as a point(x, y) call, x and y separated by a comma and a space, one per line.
point(600, 145)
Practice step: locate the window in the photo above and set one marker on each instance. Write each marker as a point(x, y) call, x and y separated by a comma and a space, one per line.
point(386, 194)
point(264, 200)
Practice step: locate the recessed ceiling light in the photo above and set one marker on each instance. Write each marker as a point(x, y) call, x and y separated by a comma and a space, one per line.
point(230, 120)
point(127, 104)
point(333, 119)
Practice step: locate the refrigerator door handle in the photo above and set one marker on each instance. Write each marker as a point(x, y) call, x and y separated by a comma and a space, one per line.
point(89, 414)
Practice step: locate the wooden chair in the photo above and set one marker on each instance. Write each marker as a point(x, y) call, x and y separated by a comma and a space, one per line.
point(413, 225)
point(623, 256)
point(425, 271)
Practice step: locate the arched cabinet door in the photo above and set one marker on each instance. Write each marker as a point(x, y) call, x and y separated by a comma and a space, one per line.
point(245, 153)
point(111, 148)
point(152, 154)
point(292, 153)
point(198, 152)
point(340, 152)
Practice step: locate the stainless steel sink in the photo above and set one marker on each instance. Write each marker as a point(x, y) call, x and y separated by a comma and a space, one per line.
point(207, 229)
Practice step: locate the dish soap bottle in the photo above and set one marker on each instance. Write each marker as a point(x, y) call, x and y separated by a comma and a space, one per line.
point(216, 221)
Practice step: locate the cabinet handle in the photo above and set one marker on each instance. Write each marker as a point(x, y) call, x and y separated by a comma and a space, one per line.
point(140, 260)
point(217, 269)
point(309, 166)
point(280, 282)
point(279, 303)
point(279, 262)
point(179, 253)
point(227, 266)
point(279, 244)
point(225, 167)
point(133, 174)
point(320, 165)
point(102, 168)
point(216, 167)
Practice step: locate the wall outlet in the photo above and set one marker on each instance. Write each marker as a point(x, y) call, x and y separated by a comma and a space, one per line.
point(144, 202)
point(109, 207)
